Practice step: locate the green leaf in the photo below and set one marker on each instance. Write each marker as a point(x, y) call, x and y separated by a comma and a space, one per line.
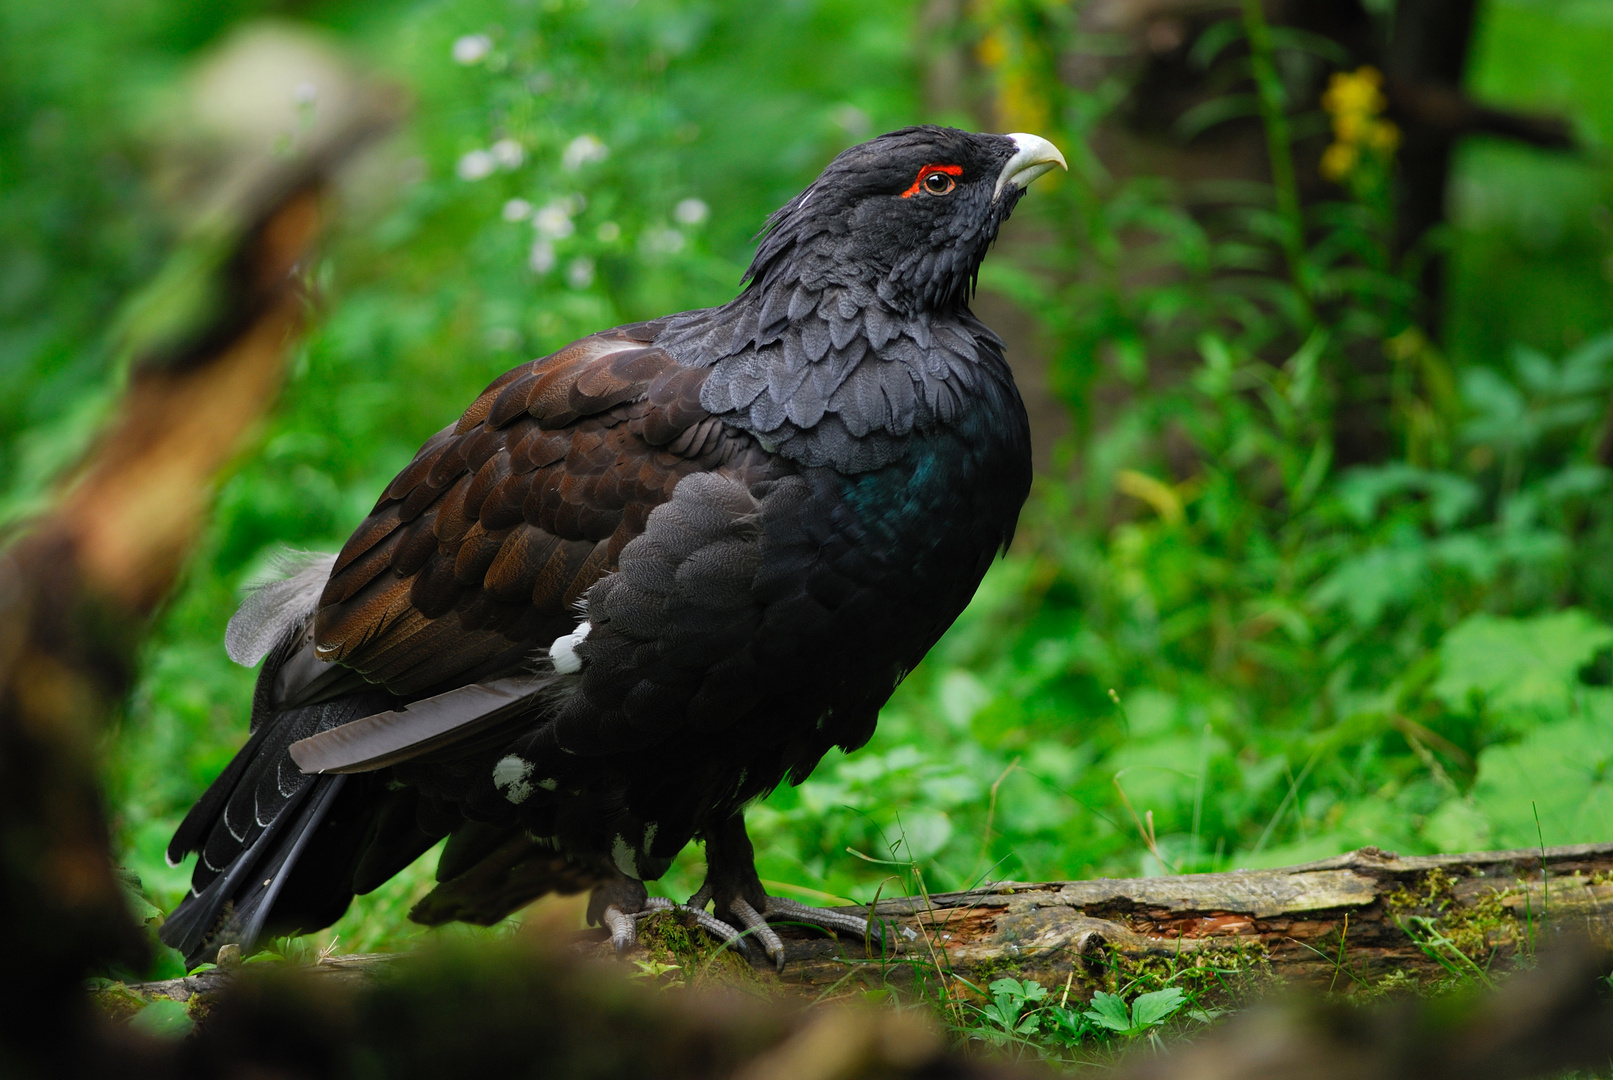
point(1518, 663)
point(1109, 1011)
point(1561, 770)
point(1156, 1007)
point(163, 1019)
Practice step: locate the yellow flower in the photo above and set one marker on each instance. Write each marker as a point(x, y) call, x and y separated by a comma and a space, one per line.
point(1019, 106)
point(1338, 161)
point(1355, 101)
point(1347, 126)
point(1354, 92)
point(992, 50)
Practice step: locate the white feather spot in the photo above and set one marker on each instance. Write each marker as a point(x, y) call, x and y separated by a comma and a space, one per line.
point(563, 653)
point(649, 835)
point(624, 857)
point(548, 785)
point(509, 776)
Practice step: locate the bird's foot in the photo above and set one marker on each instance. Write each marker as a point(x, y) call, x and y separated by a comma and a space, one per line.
point(623, 925)
point(756, 925)
point(745, 928)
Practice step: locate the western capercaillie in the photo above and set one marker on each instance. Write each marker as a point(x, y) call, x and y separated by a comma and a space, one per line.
point(641, 582)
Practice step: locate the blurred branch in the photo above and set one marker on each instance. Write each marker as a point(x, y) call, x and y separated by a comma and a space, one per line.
point(1447, 110)
point(78, 586)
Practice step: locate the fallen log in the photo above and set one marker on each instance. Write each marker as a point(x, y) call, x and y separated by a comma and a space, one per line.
point(1357, 923)
point(1360, 924)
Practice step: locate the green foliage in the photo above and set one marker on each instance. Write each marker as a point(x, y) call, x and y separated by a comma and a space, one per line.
point(163, 1019)
point(1234, 630)
point(1022, 1014)
point(1147, 1011)
point(1012, 1012)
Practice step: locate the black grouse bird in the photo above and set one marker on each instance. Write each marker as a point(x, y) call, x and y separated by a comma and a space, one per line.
point(641, 582)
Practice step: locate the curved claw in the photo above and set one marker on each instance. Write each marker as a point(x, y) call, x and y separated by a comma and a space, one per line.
point(703, 919)
point(623, 934)
point(828, 919)
point(756, 924)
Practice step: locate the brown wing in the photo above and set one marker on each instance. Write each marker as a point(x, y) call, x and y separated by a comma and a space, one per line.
point(476, 553)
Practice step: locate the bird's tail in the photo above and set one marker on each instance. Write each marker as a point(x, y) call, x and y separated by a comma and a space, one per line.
point(281, 851)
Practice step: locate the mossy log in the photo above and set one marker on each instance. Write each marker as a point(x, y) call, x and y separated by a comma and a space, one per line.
point(1357, 924)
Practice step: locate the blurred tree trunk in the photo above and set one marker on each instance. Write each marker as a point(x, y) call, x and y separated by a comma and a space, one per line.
point(1427, 51)
point(207, 346)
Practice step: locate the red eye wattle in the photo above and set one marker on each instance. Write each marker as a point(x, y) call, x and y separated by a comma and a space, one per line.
point(934, 179)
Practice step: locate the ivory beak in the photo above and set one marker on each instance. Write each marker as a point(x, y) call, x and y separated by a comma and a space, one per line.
point(1035, 156)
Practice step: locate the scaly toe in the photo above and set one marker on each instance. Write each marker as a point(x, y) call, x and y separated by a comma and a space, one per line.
point(826, 918)
point(757, 926)
point(623, 936)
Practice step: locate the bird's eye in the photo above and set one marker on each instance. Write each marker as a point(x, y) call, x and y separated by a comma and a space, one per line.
point(935, 179)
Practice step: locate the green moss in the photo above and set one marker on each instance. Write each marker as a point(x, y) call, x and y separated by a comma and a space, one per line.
point(695, 958)
point(1222, 974)
point(1398, 981)
point(1477, 929)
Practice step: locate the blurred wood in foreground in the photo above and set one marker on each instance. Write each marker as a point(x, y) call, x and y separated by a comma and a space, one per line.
point(1363, 926)
point(512, 1009)
point(206, 348)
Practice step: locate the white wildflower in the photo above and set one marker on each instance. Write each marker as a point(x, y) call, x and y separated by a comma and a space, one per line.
point(471, 48)
point(476, 165)
point(508, 154)
point(517, 210)
point(690, 212)
point(580, 273)
point(542, 257)
point(554, 221)
point(583, 150)
point(664, 241)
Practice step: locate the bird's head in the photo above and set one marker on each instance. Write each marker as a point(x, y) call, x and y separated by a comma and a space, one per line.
point(909, 214)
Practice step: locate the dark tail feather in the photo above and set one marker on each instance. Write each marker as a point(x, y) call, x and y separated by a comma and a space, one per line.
point(252, 827)
point(192, 832)
point(254, 908)
point(200, 923)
